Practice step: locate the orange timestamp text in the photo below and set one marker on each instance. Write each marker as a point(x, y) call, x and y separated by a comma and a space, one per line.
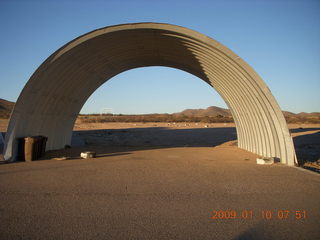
point(281, 214)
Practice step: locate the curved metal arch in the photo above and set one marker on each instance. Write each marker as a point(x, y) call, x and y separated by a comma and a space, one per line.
point(52, 98)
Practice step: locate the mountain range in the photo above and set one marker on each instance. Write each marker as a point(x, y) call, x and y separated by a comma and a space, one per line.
point(5, 108)
point(213, 111)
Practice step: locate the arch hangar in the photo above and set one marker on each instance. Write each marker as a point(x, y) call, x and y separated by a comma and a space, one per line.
point(54, 95)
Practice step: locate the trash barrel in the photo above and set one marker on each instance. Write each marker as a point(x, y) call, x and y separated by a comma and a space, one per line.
point(30, 149)
point(21, 143)
point(44, 145)
point(42, 142)
point(37, 147)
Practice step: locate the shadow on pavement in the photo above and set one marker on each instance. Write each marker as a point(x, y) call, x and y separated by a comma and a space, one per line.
point(113, 142)
point(307, 147)
point(156, 136)
point(298, 130)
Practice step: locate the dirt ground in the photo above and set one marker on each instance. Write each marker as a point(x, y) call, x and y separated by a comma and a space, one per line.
point(91, 126)
point(158, 193)
point(160, 181)
point(3, 125)
point(306, 137)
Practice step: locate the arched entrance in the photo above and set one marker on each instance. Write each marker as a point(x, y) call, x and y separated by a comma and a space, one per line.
point(52, 98)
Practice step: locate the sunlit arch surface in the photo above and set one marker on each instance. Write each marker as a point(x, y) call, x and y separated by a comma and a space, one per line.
point(54, 95)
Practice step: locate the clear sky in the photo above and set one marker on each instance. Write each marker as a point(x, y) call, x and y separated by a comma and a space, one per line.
point(280, 39)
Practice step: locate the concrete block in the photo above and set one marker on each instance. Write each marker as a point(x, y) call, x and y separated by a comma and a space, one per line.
point(266, 161)
point(88, 154)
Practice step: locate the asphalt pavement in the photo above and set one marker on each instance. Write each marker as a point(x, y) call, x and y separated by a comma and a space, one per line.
point(159, 193)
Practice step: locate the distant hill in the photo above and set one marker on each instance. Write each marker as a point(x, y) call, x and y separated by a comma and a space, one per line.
point(213, 111)
point(5, 108)
point(288, 114)
point(215, 114)
point(209, 112)
point(313, 114)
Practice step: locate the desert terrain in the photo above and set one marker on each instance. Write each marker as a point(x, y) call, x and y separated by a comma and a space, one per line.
point(159, 181)
point(306, 137)
point(162, 180)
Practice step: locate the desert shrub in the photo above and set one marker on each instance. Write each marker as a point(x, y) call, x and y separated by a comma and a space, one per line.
point(95, 118)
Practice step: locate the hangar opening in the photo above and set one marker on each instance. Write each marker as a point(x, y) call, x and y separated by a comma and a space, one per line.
point(154, 106)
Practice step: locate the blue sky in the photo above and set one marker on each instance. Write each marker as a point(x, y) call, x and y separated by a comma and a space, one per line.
point(279, 39)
